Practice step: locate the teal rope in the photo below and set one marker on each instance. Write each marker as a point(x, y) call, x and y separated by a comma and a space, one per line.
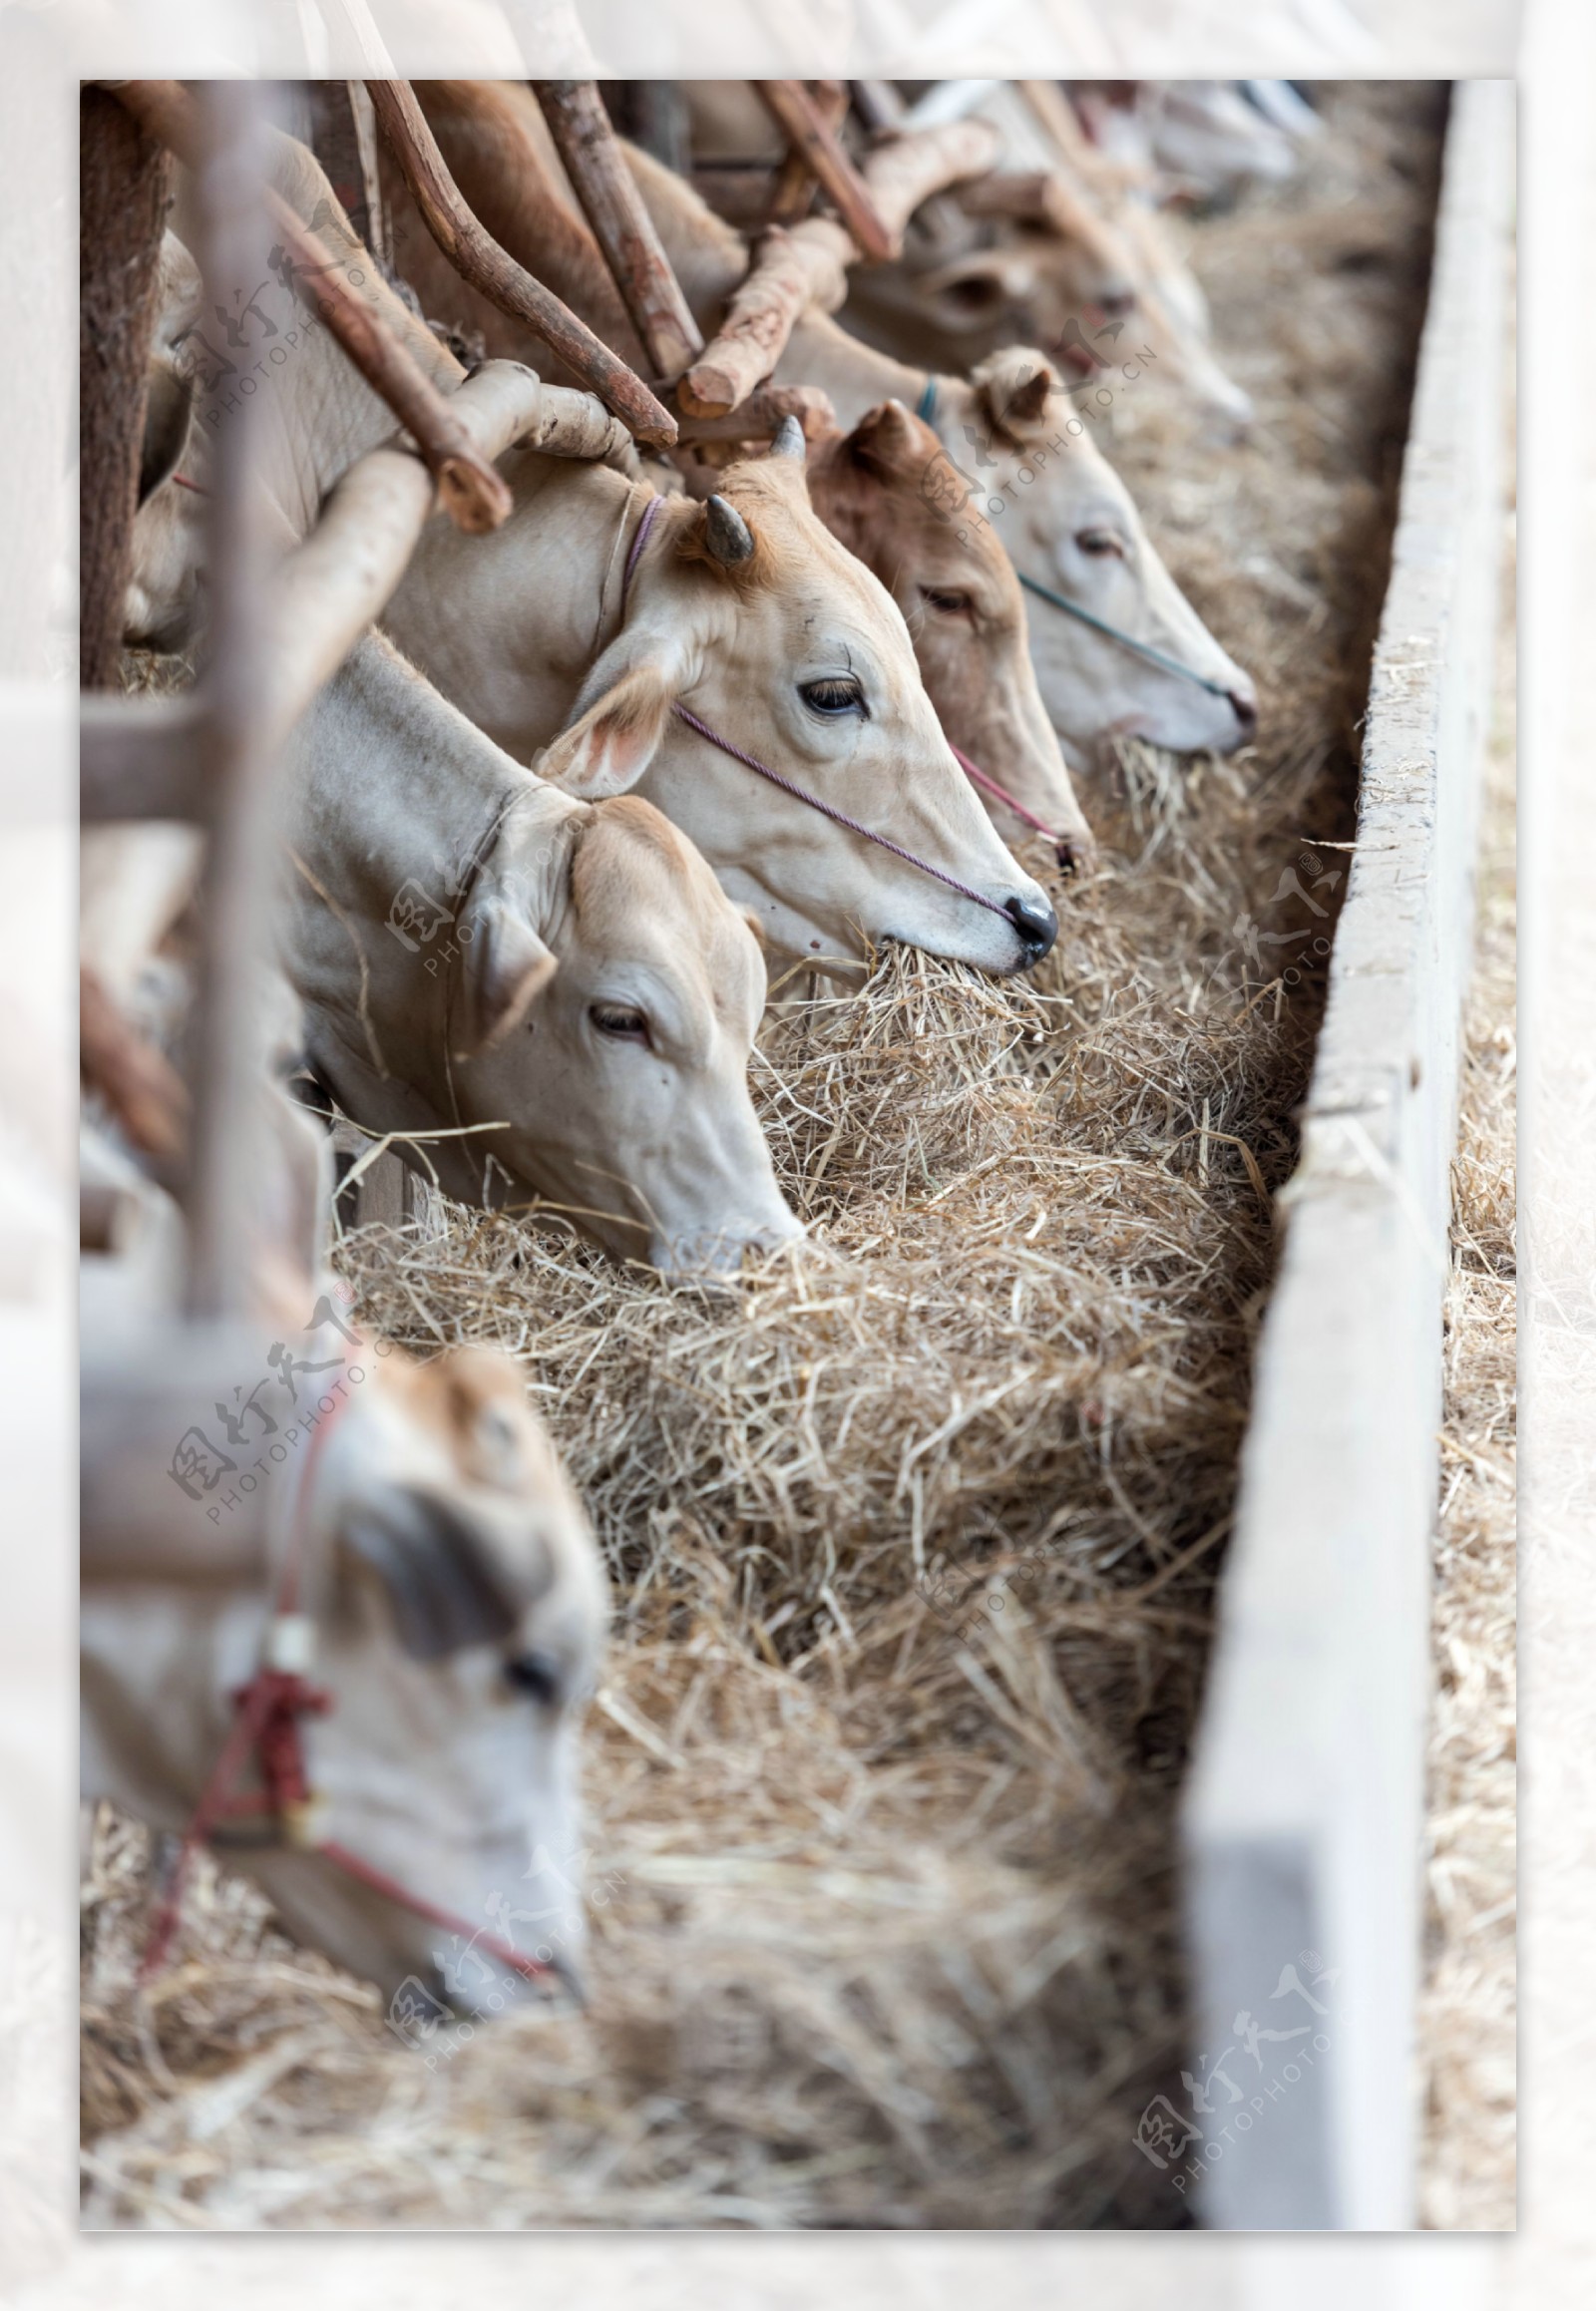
point(1127, 641)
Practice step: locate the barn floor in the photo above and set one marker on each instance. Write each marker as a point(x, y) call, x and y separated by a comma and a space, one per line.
point(914, 1541)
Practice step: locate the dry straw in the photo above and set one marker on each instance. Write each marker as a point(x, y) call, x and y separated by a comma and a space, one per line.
point(914, 1531)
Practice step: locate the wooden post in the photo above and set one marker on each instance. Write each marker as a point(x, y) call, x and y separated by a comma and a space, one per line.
point(621, 226)
point(126, 188)
point(811, 135)
point(489, 269)
point(237, 893)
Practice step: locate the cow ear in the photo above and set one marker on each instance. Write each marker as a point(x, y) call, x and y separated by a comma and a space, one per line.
point(505, 968)
point(885, 440)
point(440, 1578)
point(607, 749)
point(1013, 386)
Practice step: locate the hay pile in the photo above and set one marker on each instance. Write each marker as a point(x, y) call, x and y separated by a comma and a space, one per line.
point(915, 1535)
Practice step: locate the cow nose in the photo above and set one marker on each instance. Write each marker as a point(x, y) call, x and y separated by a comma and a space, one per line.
point(1245, 707)
point(1037, 926)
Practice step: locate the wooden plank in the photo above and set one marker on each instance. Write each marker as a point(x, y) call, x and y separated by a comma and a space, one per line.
point(1304, 1818)
point(621, 224)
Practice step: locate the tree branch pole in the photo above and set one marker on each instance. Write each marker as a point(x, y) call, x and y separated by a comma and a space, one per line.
point(796, 182)
point(480, 260)
point(621, 226)
point(473, 493)
point(240, 863)
point(790, 272)
point(811, 135)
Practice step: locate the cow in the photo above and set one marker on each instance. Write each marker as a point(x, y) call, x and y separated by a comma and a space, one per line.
point(961, 287)
point(880, 488)
point(556, 984)
point(757, 651)
point(446, 1593)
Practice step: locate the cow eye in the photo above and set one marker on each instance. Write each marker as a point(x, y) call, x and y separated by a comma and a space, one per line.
point(1100, 542)
point(620, 1021)
point(835, 695)
point(537, 1675)
point(946, 599)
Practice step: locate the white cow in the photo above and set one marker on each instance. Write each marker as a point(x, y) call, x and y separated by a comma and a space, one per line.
point(475, 947)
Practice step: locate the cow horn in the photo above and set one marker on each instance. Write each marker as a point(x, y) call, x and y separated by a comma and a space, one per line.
point(788, 440)
point(726, 534)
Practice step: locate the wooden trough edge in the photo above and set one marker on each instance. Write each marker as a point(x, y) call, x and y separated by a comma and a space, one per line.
point(1304, 1816)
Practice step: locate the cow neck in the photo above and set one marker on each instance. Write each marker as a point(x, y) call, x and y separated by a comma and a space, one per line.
point(856, 376)
point(321, 416)
point(454, 963)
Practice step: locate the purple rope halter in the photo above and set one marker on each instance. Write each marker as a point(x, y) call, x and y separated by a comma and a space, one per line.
point(790, 786)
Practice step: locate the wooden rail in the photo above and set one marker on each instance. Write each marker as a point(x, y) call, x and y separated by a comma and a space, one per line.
point(1304, 1818)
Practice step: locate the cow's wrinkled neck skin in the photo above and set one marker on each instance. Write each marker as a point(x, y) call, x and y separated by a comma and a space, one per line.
point(397, 836)
point(462, 610)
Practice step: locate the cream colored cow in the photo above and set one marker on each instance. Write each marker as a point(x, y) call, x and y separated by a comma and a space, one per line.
point(476, 949)
point(447, 1596)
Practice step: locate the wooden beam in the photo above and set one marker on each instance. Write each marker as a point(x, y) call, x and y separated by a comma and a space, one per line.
point(124, 189)
point(480, 260)
point(621, 226)
point(808, 132)
point(757, 418)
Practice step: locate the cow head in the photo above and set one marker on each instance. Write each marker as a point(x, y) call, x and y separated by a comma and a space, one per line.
point(459, 1606)
point(1021, 460)
point(747, 612)
point(611, 999)
point(879, 490)
point(1032, 275)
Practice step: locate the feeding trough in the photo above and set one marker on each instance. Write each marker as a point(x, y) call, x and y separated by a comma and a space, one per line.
point(1304, 1819)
